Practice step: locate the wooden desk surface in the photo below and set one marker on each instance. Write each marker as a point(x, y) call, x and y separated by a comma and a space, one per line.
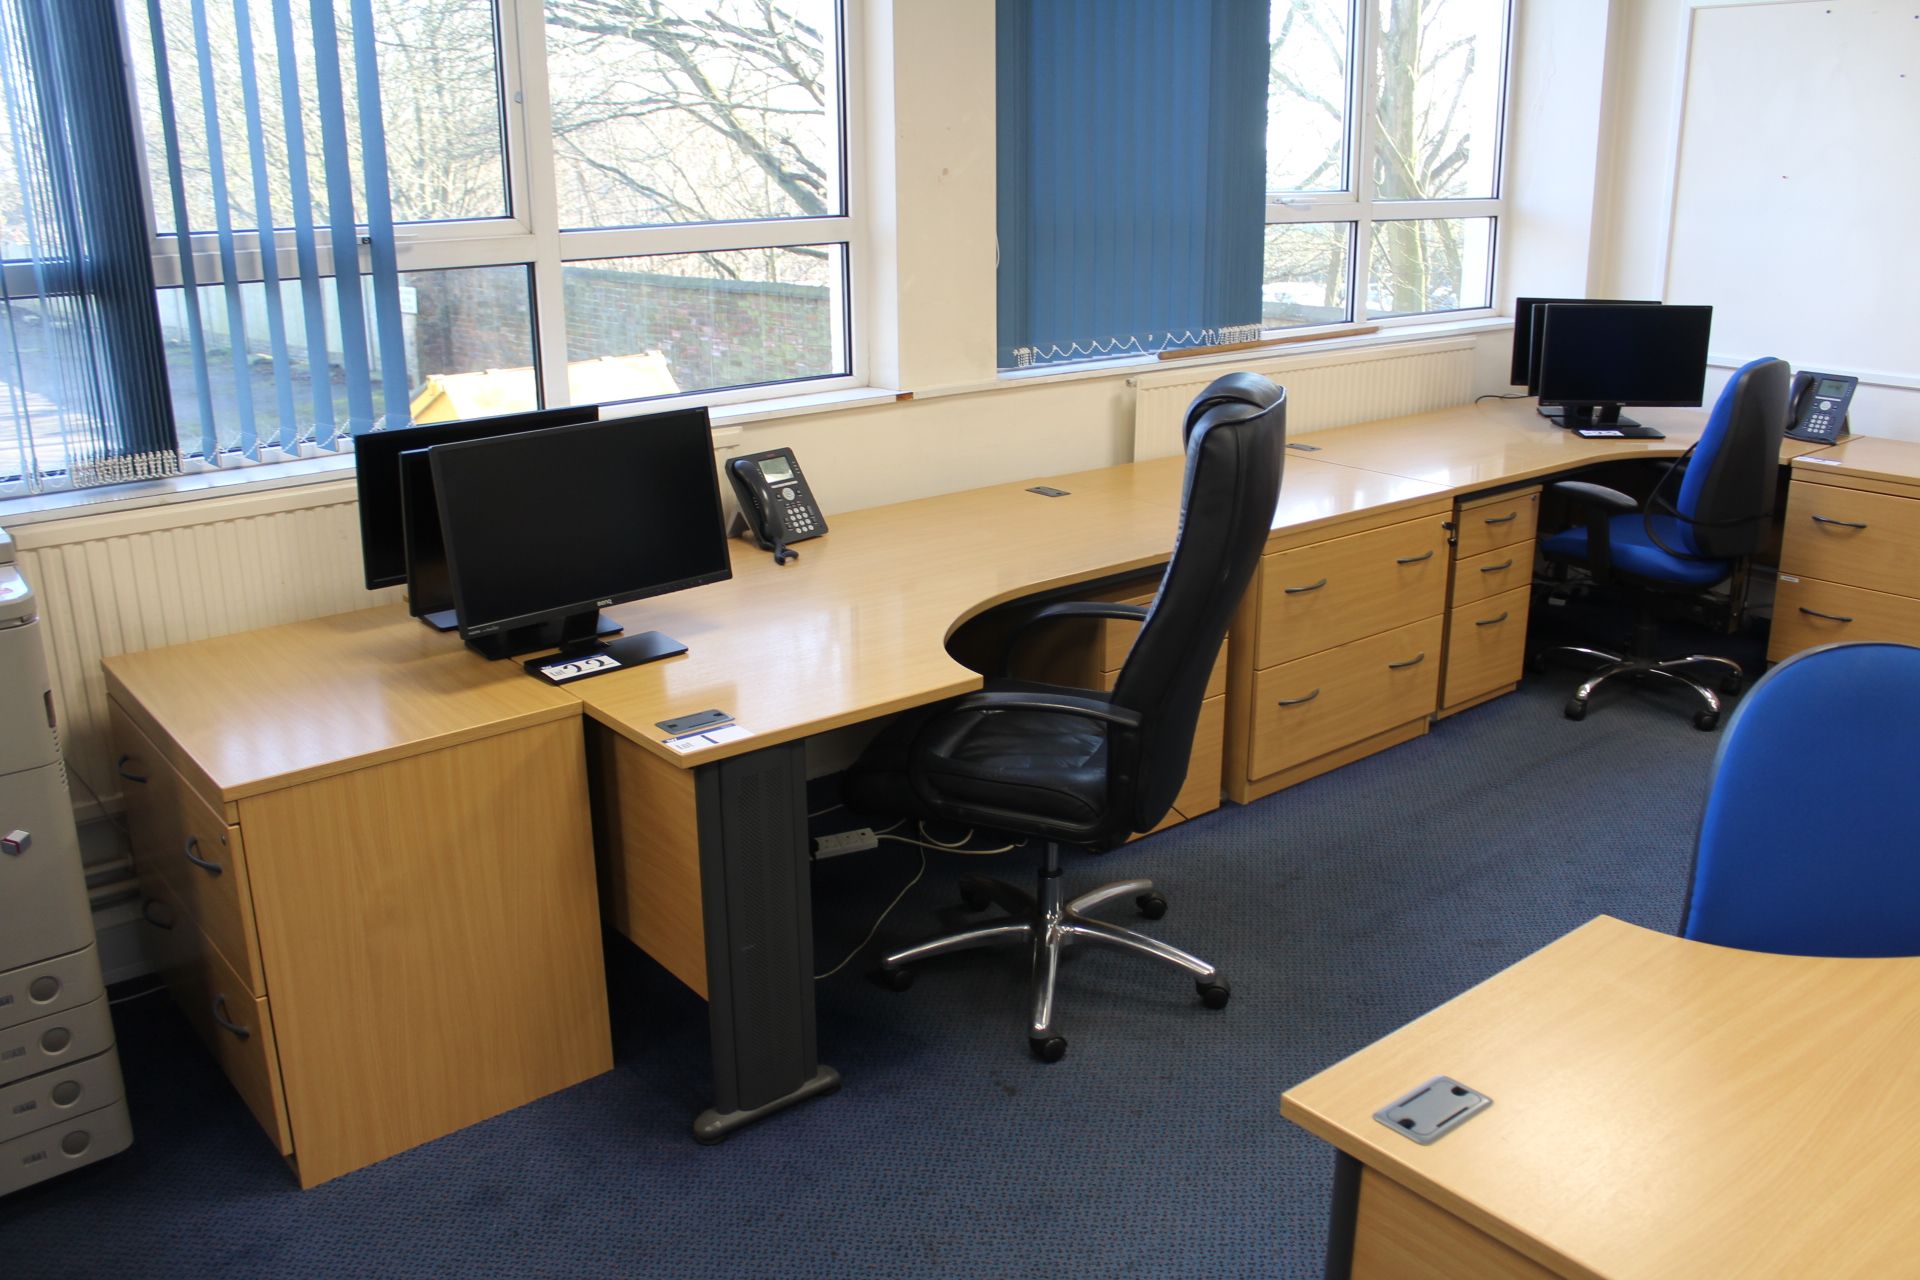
point(1661, 1108)
point(1499, 442)
point(261, 710)
point(857, 627)
point(1865, 457)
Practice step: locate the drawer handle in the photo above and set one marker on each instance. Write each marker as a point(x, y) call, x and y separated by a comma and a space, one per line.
point(1414, 661)
point(211, 868)
point(120, 767)
point(1830, 617)
point(1508, 518)
point(1844, 524)
point(1294, 702)
point(1491, 622)
point(1498, 568)
point(240, 1030)
point(146, 912)
point(1414, 559)
point(1295, 591)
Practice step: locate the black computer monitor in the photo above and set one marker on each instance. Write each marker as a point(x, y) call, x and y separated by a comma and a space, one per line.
point(543, 529)
point(1525, 363)
point(1596, 357)
point(429, 587)
point(376, 467)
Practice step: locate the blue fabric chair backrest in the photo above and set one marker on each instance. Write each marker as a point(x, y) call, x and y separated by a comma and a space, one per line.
point(1810, 842)
point(1729, 483)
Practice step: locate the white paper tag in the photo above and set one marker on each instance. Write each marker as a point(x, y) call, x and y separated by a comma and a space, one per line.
point(690, 742)
point(579, 667)
point(1825, 462)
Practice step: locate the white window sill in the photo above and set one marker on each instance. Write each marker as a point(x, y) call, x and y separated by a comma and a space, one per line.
point(40, 508)
point(1135, 366)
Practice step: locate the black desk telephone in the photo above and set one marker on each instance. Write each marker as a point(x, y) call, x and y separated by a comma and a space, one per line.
point(1819, 406)
point(775, 503)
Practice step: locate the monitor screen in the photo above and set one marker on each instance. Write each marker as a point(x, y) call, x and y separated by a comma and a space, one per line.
point(429, 590)
point(552, 523)
point(1525, 363)
point(377, 468)
point(1605, 353)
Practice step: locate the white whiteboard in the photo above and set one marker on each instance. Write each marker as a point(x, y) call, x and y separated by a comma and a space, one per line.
point(1796, 203)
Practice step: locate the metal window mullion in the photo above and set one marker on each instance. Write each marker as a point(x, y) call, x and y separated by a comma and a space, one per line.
point(1407, 210)
point(1342, 210)
point(1366, 122)
point(538, 199)
point(853, 296)
point(703, 237)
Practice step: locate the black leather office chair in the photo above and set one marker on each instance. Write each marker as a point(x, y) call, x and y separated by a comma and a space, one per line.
point(1085, 767)
point(1685, 543)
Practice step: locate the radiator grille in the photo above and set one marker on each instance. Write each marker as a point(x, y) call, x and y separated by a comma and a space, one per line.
point(1331, 390)
point(128, 581)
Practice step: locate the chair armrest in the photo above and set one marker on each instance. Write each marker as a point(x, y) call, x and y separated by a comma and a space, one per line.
point(1598, 505)
point(1063, 703)
point(1064, 609)
point(1592, 495)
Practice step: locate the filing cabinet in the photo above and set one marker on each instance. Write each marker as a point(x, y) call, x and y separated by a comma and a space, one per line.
point(1488, 598)
point(1336, 648)
point(1850, 554)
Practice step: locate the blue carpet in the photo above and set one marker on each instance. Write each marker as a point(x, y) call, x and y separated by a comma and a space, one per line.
point(1340, 909)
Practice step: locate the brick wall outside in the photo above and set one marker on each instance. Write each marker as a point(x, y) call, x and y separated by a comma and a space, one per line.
point(714, 333)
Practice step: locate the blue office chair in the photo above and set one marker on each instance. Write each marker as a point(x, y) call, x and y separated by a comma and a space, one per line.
point(1686, 544)
point(1810, 842)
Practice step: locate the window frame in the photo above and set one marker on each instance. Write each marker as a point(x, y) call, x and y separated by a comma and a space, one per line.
point(529, 234)
point(1360, 208)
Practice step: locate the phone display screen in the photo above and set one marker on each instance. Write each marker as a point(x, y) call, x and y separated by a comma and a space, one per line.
point(1830, 389)
point(777, 471)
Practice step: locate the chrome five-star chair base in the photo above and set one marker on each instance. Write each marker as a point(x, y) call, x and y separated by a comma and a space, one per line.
point(1050, 924)
point(1615, 666)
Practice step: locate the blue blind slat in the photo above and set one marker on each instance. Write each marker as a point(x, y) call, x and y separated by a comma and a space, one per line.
point(263, 219)
point(341, 224)
point(306, 246)
point(1132, 138)
point(189, 282)
point(394, 384)
point(223, 222)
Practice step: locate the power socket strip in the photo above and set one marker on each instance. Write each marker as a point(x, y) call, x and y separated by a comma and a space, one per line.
point(858, 840)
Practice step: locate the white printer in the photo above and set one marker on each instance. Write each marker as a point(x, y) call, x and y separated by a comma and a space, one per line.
point(61, 1101)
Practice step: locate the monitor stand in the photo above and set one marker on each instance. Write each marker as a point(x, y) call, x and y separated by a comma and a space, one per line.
point(1600, 422)
point(448, 620)
point(596, 658)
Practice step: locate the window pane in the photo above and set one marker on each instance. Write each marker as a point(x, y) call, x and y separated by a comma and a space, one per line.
point(1430, 264)
point(468, 334)
point(1307, 268)
point(716, 112)
point(1441, 71)
point(469, 342)
point(440, 100)
point(666, 324)
point(1307, 95)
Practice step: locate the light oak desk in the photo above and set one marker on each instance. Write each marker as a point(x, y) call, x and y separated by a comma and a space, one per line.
point(388, 783)
point(1661, 1108)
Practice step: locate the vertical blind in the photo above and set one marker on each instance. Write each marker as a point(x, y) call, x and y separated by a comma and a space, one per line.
point(1132, 162)
point(280, 142)
point(81, 358)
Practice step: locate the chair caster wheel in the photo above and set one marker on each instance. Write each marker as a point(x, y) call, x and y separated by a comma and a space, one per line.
point(1576, 709)
point(1152, 905)
point(973, 896)
point(894, 979)
point(1706, 720)
point(1047, 1048)
point(1214, 994)
point(1732, 685)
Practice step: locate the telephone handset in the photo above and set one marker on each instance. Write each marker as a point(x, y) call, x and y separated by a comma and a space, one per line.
point(1819, 401)
point(776, 505)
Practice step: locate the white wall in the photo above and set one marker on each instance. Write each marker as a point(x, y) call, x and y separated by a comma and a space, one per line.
point(1648, 82)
